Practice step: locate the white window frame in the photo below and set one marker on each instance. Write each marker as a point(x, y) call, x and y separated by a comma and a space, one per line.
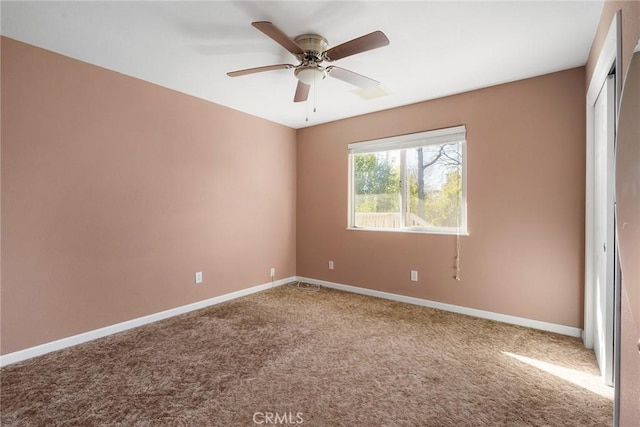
point(457, 134)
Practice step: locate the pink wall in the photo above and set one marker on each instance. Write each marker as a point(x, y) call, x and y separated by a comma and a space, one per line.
point(526, 157)
point(630, 332)
point(116, 191)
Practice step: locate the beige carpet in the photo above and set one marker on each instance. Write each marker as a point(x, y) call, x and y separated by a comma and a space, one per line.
point(323, 359)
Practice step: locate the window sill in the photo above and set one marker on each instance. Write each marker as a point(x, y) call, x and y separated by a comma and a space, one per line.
point(411, 231)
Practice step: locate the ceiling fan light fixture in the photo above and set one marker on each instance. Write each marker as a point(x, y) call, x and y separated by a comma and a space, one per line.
point(310, 75)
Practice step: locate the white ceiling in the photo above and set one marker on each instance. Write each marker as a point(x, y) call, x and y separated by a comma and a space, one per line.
point(436, 49)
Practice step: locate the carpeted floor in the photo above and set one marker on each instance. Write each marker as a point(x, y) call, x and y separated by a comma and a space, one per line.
point(314, 359)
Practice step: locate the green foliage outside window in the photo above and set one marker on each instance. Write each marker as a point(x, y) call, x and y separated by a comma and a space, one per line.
point(376, 183)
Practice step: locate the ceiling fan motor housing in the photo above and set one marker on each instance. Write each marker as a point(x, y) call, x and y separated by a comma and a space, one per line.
point(313, 46)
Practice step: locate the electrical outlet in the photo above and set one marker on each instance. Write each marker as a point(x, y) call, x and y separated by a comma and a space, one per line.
point(330, 265)
point(272, 273)
point(198, 277)
point(414, 276)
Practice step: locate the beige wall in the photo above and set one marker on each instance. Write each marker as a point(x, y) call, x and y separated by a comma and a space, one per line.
point(526, 157)
point(629, 354)
point(116, 191)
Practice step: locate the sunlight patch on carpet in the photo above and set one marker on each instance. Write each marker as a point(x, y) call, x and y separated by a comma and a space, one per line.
point(586, 380)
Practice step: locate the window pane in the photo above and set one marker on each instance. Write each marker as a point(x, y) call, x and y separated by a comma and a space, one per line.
point(376, 188)
point(435, 185)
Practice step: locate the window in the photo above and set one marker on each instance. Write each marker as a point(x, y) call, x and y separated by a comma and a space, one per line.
point(411, 182)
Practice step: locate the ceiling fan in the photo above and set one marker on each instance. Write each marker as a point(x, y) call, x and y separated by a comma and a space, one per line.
point(311, 51)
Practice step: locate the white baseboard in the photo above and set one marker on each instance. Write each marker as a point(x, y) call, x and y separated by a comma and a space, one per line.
point(39, 350)
point(505, 318)
point(60, 344)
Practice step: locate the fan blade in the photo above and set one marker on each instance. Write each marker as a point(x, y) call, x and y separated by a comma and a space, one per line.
point(302, 92)
point(259, 70)
point(278, 36)
point(351, 77)
point(361, 44)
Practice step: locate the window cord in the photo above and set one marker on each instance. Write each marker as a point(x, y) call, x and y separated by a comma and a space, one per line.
point(457, 263)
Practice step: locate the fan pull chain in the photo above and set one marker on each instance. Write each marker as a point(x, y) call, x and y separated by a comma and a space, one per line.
point(314, 92)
